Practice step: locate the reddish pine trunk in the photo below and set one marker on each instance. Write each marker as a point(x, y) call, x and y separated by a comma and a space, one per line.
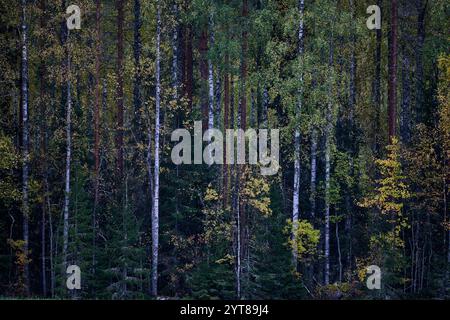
point(203, 49)
point(188, 60)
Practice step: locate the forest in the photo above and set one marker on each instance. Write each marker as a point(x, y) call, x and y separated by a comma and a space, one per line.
point(92, 205)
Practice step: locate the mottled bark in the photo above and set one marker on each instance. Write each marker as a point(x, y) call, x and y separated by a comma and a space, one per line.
point(210, 75)
point(328, 138)
point(25, 146)
point(155, 211)
point(226, 106)
point(338, 244)
point(96, 131)
point(242, 123)
point(43, 153)
point(175, 54)
point(327, 206)
point(68, 161)
point(217, 99)
point(297, 136)
point(312, 197)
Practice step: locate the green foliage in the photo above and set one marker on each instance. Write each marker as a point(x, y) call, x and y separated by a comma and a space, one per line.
point(304, 238)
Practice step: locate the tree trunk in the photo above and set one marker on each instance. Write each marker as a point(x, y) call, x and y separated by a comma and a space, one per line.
point(120, 109)
point(44, 159)
point(421, 14)
point(297, 137)
point(240, 169)
point(352, 94)
point(405, 107)
point(51, 246)
point(252, 109)
point(188, 62)
point(328, 133)
point(155, 212)
point(392, 88)
point(96, 132)
point(218, 99)
point(25, 147)
point(338, 244)
point(226, 107)
point(312, 198)
point(203, 64)
point(244, 47)
point(68, 159)
point(377, 86)
point(327, 208)
point(210, 77)
point(265, 106)
point(175, 58)
point(137, 49)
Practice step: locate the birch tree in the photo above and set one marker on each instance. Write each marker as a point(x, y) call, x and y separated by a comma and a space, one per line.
point(96, 128)
point(155, 211)
point(68, 157)
point(297, 137)
point(25, 146)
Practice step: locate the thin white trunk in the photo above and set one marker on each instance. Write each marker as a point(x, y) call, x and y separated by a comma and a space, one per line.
point(313, 171)
point(149, 162)
point(211, 77)
point(68, 160)
point(43, 261)
point(25, 145)
point(338, 242)
point(296, 195)
point(175, 53)
point(265, 106)
point(239, 267)
point(218, 98)
point(155, 212)
point(297, 138)
point(327, 209)
point(252, 109)
point(328, 132)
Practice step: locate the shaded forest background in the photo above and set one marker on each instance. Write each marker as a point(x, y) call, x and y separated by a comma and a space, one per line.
point(86, 176)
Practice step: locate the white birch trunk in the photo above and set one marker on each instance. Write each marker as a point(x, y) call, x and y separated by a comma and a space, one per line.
point(155, 212)
point(313, 172)
point(327, 208)
point(175, 53)
point(68, 160)
point(211, 76)
point(328, 132)
point(25, 145)
point(297, 138)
